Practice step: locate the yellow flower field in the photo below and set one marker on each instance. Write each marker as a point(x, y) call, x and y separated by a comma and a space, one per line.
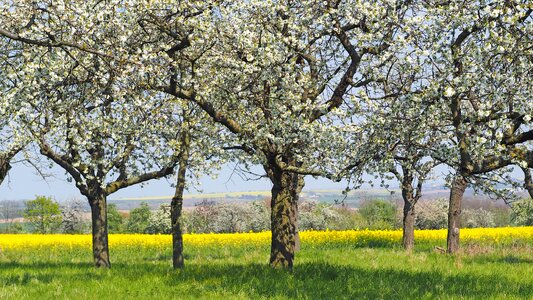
point(506, 235)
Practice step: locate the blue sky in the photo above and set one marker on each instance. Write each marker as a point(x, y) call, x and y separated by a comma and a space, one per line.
point(23, 183)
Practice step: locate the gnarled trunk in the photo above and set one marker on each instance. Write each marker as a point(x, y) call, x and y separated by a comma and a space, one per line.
point(454, 213)
point(99, 229)
point(285, 193)
point(408, 238)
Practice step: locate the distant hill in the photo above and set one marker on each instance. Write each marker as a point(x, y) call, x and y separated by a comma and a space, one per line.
point(322, 195)
point(352, 199)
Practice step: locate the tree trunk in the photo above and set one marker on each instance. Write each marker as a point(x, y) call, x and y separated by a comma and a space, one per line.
point(177, 205)
point(299, 183)
point(283, 218)
point(409, 202)
point(454, 213)
point(177, 237)
point(99, 228)
point(4, 169)
point(528, 181)
point(408, 238)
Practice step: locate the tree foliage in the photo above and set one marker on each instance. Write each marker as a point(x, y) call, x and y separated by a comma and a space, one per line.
point(115, 220)
point(73, 217)
point(139, 218)
point(522, 212)
point(44, 214)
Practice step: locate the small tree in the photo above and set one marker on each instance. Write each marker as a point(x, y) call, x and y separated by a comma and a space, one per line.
point(72, 215)
point(432, 214)
point(9, 210)
point(379, 214)
point(44, 214)
point(316, 216)
point(139, 219)
point(472, 218)
point(259, 216)
point(159, 221)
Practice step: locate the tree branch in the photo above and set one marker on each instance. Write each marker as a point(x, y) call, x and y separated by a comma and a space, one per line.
point(120, 184)
point(47, 151)
point(51, 44)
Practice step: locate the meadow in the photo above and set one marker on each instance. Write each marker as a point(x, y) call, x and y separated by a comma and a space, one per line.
point(493, 263)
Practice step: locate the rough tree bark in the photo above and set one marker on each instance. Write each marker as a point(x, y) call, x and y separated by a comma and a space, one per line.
point(409, 201)
point(286, 187)
point(98, 205)
point(282, 226)
point(408, 238)
point(297, 180)
point(177, 205)
point(411, 193)
point(454, 213)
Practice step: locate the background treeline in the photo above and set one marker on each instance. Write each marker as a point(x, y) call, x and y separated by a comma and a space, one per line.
point(44, 215)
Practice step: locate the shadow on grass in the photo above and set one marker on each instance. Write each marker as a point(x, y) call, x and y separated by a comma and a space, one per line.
point(324, 281)
point(511, 259)
point(25, 273)
point(43, 265)
point(507, 259)
point(313, 280)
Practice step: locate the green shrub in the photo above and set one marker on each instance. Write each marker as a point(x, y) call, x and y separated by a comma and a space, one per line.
point(379, 214)
point(139, 219)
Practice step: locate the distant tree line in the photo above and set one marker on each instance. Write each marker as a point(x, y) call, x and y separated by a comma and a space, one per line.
point(44, 215)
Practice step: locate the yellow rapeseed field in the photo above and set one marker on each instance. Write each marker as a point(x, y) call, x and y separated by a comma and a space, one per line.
point(506, 235)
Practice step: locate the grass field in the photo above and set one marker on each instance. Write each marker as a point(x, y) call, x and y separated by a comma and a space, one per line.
point(491, 265)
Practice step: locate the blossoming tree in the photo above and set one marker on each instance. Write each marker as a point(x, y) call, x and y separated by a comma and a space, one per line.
point(278, 77)
point(477, 59)
point(12, 138)
point(97, 109)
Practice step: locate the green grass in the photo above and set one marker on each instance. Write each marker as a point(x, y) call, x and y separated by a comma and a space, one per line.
point(329, 272)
